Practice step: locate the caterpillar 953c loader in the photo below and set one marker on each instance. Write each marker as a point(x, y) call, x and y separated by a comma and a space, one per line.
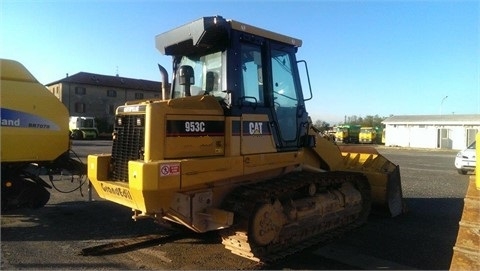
point(233, 147)
point(34, 138)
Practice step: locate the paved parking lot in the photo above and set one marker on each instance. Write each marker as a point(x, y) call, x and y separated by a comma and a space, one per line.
point(423, 238)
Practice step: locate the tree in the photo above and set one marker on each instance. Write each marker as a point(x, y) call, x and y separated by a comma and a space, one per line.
point(321, 125)
point(368, 120)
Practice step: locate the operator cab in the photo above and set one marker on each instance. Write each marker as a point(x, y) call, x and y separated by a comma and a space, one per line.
point(249, 70)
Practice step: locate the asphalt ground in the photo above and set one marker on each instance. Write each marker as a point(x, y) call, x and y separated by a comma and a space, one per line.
point(422, 238)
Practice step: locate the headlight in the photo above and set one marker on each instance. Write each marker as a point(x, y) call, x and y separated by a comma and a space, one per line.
point(119, 121)
point(139, 122)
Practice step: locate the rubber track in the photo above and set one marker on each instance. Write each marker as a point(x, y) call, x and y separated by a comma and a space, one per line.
point(244, 200)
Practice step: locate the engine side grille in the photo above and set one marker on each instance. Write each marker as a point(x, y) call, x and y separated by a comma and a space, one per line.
point(128, 144)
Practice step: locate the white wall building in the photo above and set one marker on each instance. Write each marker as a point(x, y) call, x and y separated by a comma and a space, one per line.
point(431, 131)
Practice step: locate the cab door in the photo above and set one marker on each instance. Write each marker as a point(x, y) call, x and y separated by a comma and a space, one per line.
point(269, 85)
point(288, 107)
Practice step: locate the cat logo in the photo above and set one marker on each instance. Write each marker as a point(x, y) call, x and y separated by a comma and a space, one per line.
point(255, 128)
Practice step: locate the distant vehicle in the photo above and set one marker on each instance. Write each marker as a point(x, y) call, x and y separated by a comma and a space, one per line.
point(83, 127)
point(347, 133)
point(465, 160)
point(370, 135)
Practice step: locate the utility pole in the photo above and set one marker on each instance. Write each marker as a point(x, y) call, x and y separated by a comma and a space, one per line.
point(441, 104)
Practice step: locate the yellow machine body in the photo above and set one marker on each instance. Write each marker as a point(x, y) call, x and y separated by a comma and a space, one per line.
point(220, 161)
point(34, 138)
point(34, 121)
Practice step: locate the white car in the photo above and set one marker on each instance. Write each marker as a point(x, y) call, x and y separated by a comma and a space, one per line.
point(465, 160)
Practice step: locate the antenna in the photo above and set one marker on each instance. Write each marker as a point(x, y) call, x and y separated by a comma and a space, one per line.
point(117, 71)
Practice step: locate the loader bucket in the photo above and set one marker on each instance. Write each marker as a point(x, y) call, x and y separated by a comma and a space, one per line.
point(383, 176)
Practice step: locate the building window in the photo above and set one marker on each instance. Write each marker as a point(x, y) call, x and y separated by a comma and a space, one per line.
point(80, 90)
point(111, 93)
point(79, 108)
point(138, 95)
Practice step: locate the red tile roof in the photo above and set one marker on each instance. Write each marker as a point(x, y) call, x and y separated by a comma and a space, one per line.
point(110, 81)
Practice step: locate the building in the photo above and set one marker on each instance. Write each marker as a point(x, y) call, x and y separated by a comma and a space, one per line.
point(89, 94)
point(431, 131)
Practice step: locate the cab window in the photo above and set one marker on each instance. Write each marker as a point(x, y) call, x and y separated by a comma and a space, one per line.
point(252, 79)
point(284, 93)
point(207, 75)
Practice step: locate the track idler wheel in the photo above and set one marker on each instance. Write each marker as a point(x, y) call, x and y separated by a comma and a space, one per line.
point(266, 223)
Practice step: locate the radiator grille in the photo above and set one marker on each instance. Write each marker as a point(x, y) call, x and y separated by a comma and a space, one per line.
point(128, 144)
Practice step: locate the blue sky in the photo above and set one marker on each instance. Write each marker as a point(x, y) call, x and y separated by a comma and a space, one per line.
point(364, 57)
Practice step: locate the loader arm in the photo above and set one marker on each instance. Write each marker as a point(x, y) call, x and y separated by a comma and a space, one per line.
point(382, 174)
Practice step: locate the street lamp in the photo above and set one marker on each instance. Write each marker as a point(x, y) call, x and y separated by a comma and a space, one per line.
point(441, 104)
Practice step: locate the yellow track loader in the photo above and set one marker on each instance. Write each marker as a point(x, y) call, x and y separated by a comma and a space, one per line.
point(230, 147)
